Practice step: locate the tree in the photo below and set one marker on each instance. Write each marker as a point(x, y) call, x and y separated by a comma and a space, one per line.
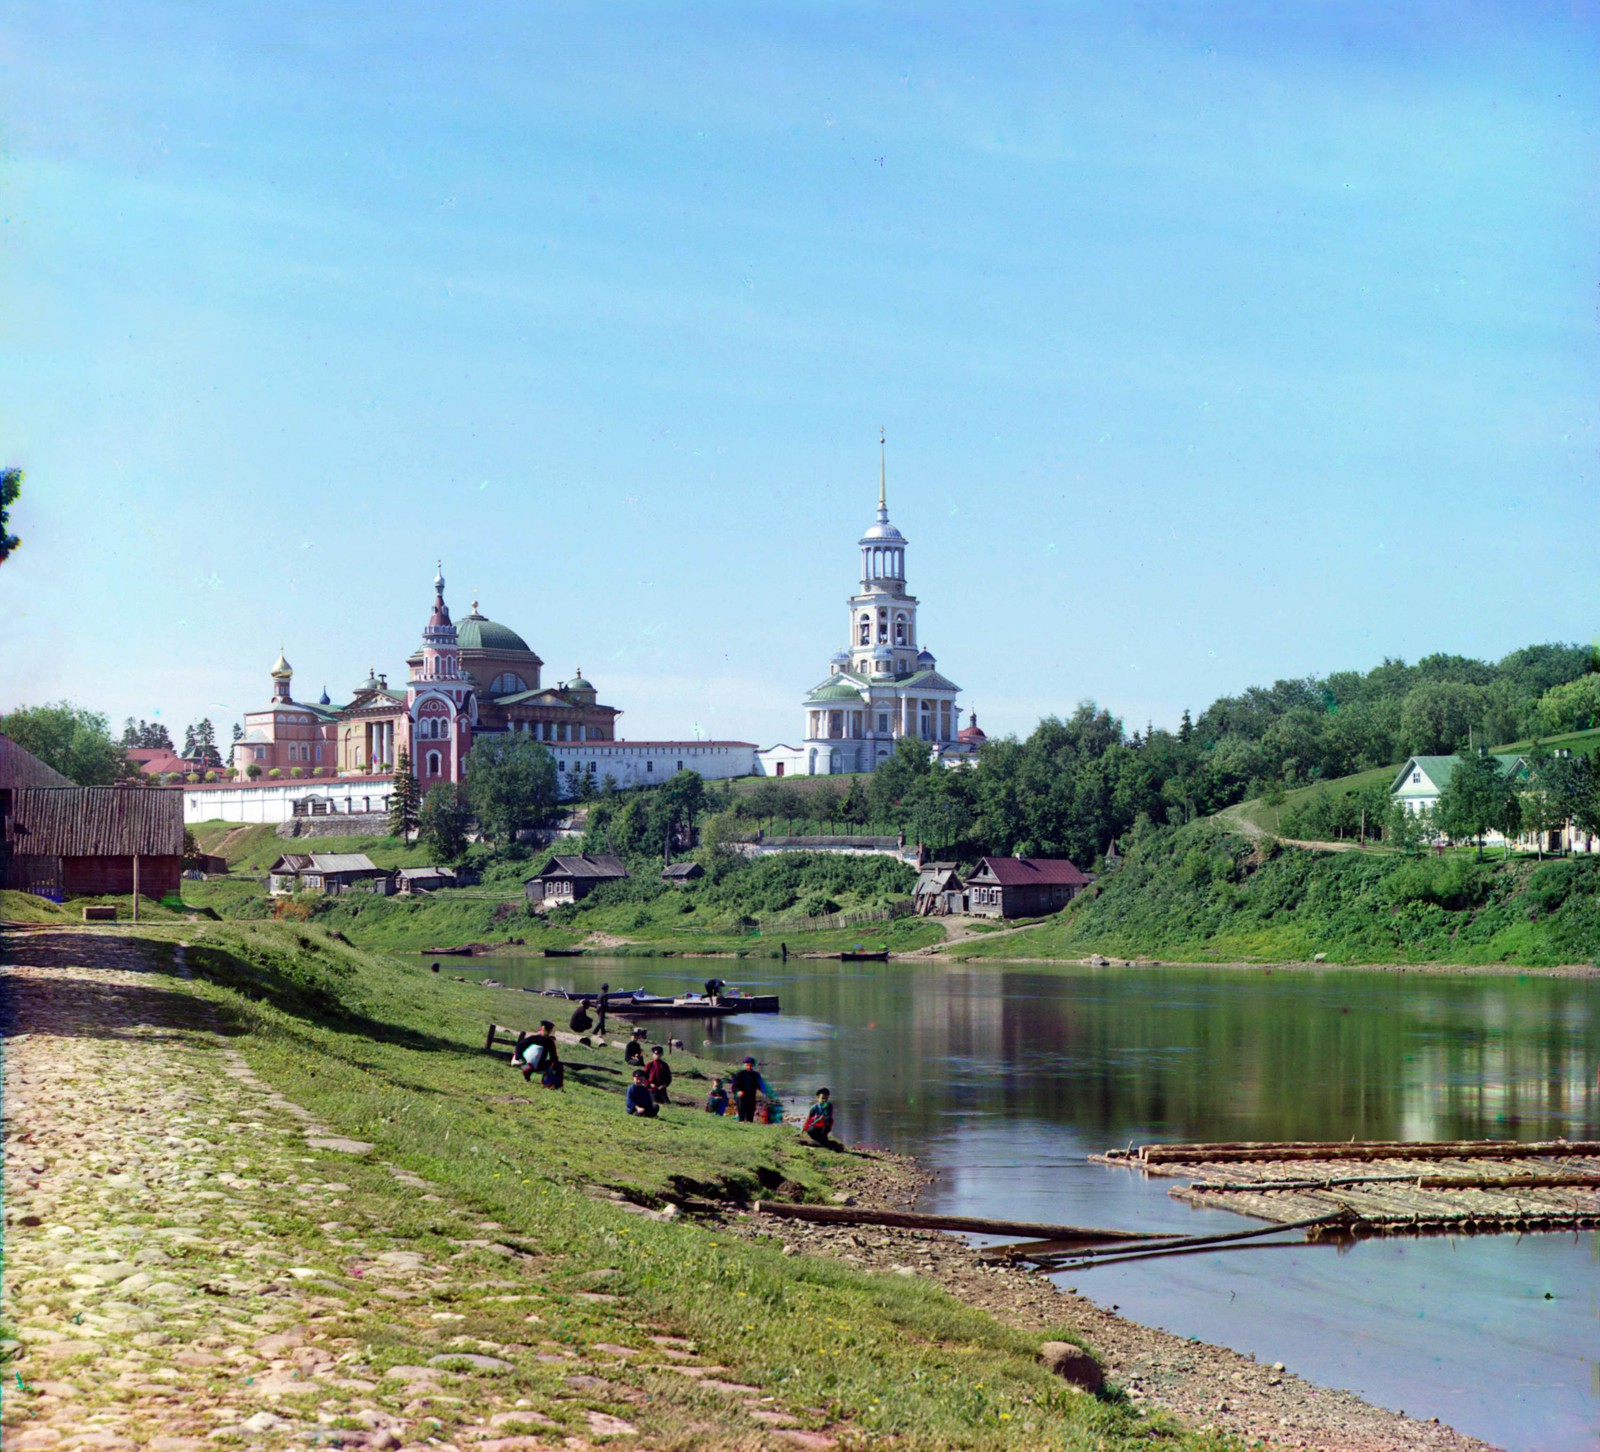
point(1478, 798)
point(188, 741)
point(205, 743)
point(405, 801)
point(511, 784)
point(681, 799)
point(1438, 715)
point(1574, 706)
point(10, 488)
point(76, 742)
point(443, 820)
point(145, 734)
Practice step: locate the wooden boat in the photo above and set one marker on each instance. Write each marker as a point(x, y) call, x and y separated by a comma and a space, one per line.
point(882, 956)
point(694, 1005)
point(563, 952)
point(640, 1004)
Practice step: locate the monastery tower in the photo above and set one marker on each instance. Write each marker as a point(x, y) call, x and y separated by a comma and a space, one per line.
point(882, 686)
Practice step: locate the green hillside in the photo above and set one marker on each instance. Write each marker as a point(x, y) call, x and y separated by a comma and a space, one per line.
point(1203, 894)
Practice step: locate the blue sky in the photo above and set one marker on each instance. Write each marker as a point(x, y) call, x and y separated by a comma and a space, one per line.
point(1214, 342)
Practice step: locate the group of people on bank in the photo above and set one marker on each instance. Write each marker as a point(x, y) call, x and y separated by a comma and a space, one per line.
point(744, 1092)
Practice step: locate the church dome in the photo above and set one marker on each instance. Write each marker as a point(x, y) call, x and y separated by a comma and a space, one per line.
point(474, 632)
point(926, 658)
point(973, 734)
point(283, 670)
point(883, 533)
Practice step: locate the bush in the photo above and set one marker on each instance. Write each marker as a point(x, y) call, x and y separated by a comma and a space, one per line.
point(295, 772)
point(211, 776)
point(274, 774)
point(252, 771)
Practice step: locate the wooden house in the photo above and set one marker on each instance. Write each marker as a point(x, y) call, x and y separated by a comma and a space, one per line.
point(331, 872)
point(939, 892)
point(571, 879)
point(681, 874)
point(1022, 887)
point(65, 840)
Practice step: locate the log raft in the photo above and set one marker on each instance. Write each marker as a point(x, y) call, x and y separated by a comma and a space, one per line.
point(1442, 1187)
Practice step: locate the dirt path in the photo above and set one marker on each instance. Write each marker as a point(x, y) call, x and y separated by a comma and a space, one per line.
point(193, 1261)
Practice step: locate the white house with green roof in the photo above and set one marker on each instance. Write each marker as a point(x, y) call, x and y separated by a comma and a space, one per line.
point(1422, 778)
point(885, 685)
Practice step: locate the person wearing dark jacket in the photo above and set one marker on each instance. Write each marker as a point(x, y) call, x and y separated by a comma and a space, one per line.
point(658, 1074)
point(747, 1087)
point(640, 1100)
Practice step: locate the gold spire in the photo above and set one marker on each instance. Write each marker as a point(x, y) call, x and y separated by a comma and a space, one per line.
point(883, 502)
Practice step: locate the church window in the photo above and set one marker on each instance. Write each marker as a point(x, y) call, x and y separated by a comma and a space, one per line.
point(261, 753)
point(866, 630)
point(433, 763)
point(319, 753)
point(883, 720)
point(900, 630)
point(649, 766)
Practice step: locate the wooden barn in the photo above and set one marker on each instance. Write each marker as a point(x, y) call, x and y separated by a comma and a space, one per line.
point(1022, 887)
point(66, 840)
point(570, 879)
point(681, 874)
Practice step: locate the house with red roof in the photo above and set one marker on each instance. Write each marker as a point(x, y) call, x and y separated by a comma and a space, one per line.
point(1022, 887)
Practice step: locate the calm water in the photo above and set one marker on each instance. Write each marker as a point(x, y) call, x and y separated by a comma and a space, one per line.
point(1005, 1078)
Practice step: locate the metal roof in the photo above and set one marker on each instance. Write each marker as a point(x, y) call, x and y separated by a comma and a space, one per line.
point(600, 865)
point(1025, 871)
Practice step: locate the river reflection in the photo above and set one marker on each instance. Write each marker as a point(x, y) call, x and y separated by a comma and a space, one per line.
point(1005, 1078)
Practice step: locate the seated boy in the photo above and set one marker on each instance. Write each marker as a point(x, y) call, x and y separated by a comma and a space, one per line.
point(717, 1099)
point(818, 1125)
point(640, 1099)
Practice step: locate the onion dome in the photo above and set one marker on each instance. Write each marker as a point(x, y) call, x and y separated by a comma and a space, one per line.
point(323, 700)
point(972, 734)
point(283, 670)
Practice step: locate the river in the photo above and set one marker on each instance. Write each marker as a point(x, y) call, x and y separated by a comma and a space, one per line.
point(1004, 1078)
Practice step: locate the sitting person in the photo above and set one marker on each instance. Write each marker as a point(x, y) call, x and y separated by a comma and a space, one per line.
point(540, 1056)
point(818, 1125)
point(640, 1100)
point(658, 1074)
point(717, 1099)
point(634, 1053)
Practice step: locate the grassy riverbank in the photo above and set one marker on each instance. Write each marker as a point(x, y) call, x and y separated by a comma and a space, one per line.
point(392, 1055)
point(1201, 894)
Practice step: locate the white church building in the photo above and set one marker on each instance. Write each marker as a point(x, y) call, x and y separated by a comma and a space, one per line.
point(885, 685)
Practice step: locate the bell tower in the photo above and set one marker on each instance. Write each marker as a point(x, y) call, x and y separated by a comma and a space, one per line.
point(883, 616)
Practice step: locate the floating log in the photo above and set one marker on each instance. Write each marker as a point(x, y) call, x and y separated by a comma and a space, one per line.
point(1178, 1242)
point(974, 1225)
point(1244, 1153)
point(1558, 1180)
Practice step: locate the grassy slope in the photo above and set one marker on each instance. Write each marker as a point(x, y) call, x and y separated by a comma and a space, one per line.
point(1264, 817)
point(393, 1055)
point(1200, 894)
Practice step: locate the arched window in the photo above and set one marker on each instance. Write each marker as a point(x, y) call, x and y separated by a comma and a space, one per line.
point(866, 630)
point(507, 683)
point(433, 763)
point(900, 629)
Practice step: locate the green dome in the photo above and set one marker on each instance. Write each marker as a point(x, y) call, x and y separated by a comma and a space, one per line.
point(835, 691)
point(473, 632)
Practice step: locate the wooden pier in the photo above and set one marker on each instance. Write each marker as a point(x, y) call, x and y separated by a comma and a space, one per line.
point(1387, 1188)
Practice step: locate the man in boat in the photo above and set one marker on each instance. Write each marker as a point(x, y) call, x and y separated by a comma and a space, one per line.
point(748, 1088)
point(818, 1125)
point(658, 1074)
point(714, 987)
point(640, 1100)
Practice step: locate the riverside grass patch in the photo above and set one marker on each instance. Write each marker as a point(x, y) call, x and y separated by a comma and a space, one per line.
point(1201, 894)
point(391, 1054)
